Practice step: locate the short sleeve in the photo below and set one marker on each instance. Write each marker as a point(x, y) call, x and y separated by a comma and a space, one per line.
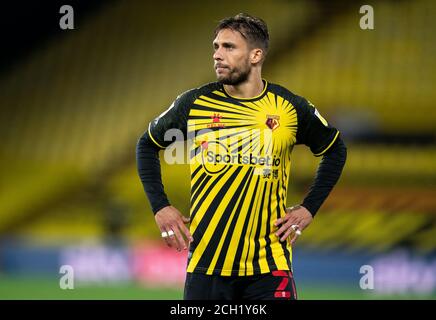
point(175, 117)
point(313, 130)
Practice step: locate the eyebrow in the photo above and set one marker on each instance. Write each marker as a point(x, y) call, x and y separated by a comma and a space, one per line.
point(224, 44)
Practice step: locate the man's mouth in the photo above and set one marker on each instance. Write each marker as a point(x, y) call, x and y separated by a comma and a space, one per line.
point(220, 67)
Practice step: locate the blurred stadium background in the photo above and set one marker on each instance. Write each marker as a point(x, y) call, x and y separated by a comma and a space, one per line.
point(74, 102)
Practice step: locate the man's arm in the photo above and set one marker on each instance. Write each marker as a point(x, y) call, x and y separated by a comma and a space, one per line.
point(149, 171)
point(168, 218)
point(323, 140)
point(328, 173)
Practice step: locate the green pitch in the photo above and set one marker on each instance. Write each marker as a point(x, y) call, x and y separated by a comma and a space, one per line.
point(34, 288)
point(42, 289)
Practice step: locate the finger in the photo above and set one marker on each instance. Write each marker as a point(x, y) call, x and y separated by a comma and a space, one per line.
point(172, 239)
point(167, 243)
point(281, 220)
point(283, 229)
point(295, 227)
point(181, 243)
point(164, 236)
point(294, 223)
point(186, 232)
point(294, 238)
point(287, 226)
point(177, 239)
point(278, 221)
point(289, 217)
point(296, 235)
point(286, 234)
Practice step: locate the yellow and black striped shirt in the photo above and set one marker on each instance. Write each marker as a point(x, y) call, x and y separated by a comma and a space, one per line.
point(240, 159)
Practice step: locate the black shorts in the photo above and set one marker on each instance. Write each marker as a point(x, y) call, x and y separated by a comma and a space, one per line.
point(277, 285)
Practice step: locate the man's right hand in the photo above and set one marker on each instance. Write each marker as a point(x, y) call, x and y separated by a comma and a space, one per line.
point(171, 221)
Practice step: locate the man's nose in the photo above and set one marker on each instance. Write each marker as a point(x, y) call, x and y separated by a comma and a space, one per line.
point(217, 55)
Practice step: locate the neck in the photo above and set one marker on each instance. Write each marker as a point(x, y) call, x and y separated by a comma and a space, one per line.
point(250, 88)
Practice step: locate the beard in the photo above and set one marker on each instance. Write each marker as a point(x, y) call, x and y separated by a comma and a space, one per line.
point(235, 76)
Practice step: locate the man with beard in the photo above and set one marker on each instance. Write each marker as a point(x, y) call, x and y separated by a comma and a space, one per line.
point(243, 130)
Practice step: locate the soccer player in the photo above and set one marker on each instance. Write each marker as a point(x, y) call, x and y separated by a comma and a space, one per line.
point(242, 130)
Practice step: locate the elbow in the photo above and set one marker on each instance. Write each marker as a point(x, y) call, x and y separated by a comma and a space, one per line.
point(343, 152)
point(337, 153)
point(345, 149)
point(141, 143)
point(342, 146)
point(144, 145)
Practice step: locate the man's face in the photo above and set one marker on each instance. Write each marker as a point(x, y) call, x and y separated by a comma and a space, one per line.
point(231, 57)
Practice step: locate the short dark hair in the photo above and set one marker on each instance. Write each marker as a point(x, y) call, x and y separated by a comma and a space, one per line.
point(251, 28)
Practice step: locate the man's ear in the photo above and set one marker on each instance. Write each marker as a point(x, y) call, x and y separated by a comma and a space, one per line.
point(256, 55)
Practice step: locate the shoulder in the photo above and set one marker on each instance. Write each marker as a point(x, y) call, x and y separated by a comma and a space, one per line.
point(190, 95)
point(296, 100)
point(208, 87)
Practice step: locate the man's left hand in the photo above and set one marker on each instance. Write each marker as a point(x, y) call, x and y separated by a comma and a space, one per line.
point(297, 218)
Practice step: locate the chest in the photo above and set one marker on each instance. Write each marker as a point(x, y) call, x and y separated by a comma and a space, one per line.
point(268, 125)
